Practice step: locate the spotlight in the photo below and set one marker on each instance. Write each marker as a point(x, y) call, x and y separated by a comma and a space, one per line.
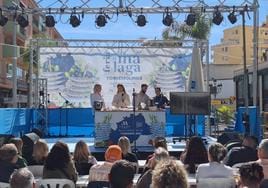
point(217, 17)
point(74, 20)
point(50, 21)
point(167, 18)
point(22, 21)
point(232, 17)
point(141, 20)
point(3, 19)
point(190, 20)
point(101, 20)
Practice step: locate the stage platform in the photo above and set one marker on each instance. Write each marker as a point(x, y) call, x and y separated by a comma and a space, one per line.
point(175, 146)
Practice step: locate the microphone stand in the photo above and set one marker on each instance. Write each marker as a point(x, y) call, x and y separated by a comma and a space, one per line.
point(134, 120)
point(66, 103)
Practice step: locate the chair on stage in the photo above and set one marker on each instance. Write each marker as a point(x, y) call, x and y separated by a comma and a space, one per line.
point(56, 183)
point(4, 185)
point(216, 183)
point(98, 184)
point(37, 170)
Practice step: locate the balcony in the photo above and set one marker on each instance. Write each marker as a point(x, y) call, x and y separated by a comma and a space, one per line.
point(8, 51)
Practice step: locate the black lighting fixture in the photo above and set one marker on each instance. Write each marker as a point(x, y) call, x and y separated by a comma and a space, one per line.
point(22, 20)
point(167, 18)
point(101, 20)
point(191, 18)
point(217, 17)
point(75, 19)
point(141, 20)
point(50, 21)
point(3, 19)
point(232, 17)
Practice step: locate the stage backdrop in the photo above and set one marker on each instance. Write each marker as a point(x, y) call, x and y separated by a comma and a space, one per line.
point(72, 72)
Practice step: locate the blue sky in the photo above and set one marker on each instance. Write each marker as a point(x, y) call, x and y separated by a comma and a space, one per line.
point(124, 28)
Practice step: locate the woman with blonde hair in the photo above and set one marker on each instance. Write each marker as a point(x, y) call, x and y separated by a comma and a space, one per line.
point(40, 152)
point(82, 158)
point(124, 144)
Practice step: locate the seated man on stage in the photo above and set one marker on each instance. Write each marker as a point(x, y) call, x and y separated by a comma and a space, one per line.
point(121, 98)
point(96, 96)
point(160, 100)
point(142, 97)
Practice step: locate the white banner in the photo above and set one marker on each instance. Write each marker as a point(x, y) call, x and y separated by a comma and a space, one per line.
point(72, 72)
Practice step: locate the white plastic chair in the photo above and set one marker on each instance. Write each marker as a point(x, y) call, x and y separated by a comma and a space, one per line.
point(216, 183)
point(56, 183)
point(4, 185)
point(37, 170)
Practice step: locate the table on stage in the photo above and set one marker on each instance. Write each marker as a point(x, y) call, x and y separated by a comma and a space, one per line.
point(110, 125)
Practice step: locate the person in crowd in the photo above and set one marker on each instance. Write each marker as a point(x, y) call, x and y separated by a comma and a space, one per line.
point(247, 152)
point(83, 159)
point(121, 98)
point(160, 100)
point(22, 178)
point(121, 175)
point(99, 172)
point(124, 144)
point(169, 174)
point(40, 152)
point(215, 167)
point(21, 162)
point(59, 164)
point(96, 96)
point(8, 159)
point(251, 175)
point(142, 98)
point(195, 153)
point(157, 142)
point(263, 156)
point(146, 178)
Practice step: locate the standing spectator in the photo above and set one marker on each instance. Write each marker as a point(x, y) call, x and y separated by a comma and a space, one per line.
point(169, 174)
point(124, 144)
point(214, 168)
point(263, 157)
point(22, 178)
point(83, 159)
point(251, 175)
point(8, 159)
point(40, 152)
point(121, 175)
point(21, 162)
point(246, 153)
point(58, 163)
point(99, 172)
point(195, 153)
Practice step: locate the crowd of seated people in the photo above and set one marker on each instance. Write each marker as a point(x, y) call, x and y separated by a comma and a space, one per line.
point(161, 170)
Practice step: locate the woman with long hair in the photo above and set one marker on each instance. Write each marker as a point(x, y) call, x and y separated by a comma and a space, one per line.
point(59, 164)
point(121, 98)
point(40, 152)
point(83, 159)
point(124, 144)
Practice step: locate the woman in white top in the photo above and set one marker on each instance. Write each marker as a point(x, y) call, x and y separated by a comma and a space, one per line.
point(96, 96)
point(215, 168)
point(121, 98)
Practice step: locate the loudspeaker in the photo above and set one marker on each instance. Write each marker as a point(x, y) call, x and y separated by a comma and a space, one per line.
point(227, 137)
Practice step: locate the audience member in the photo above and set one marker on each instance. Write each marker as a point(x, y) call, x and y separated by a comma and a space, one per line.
point(195, 153)
point(83, 159)
point(21, 162)
point(246, 153)
point(121, 175)
point(58, 163)
point(99, 172)
point(169, 174)
point(40, 152)
point(157, 142)
point(8, 159)
point(22, 178)
point(146, 178)
point(214, 168)
point(251, 175)
point(124, 144)
point(263, 156)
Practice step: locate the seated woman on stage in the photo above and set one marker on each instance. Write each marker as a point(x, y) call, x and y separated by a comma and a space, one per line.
point(96, 96)
point(121, 98)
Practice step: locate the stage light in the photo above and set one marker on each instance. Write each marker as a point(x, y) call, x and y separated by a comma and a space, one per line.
point(141, 20)
point(232, 17)
point(191, 19)
point(50, 21)
point(167, 18)
point(101, 20)
point(217, 17)
point(22, 21)
point(74, 20)
point(3, 19)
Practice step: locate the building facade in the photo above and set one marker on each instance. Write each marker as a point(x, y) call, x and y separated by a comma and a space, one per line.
point(36, 28)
